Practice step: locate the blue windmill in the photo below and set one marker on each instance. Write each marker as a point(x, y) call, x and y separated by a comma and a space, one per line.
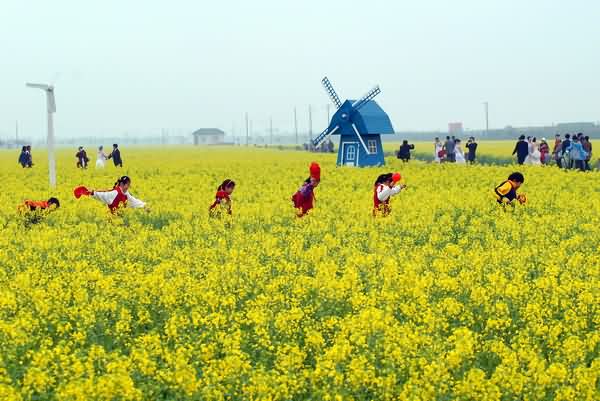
point(360, 124)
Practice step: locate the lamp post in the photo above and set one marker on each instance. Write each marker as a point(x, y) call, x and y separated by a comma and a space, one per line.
point(51, 109)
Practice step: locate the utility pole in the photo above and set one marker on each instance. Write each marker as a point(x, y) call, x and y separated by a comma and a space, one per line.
point(271, 131)
point(296, 125)
point(247, 130)
point(487, 120)
point(16, 132)
point(310, 136)
point(327, 122)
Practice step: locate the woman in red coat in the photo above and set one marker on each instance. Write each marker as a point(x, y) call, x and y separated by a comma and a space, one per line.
point(304, 198)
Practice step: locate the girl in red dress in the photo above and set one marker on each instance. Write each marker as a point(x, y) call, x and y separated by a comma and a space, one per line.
point(304, 198)
point(222, 203)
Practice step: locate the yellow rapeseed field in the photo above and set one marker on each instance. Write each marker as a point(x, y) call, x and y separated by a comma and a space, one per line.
point(450, 297)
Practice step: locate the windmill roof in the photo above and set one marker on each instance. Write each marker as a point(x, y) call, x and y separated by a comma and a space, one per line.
point(372, 119)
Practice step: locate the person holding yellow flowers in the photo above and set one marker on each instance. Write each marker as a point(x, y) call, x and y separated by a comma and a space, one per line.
point(506, 192)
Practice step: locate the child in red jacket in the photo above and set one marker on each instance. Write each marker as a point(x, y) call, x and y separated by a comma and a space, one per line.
point(222, 201)
point(304, 198)
point(385, 187)
point(115, 198)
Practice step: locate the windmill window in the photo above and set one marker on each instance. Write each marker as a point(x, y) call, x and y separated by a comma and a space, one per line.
point(372, 144)
point(350, 153)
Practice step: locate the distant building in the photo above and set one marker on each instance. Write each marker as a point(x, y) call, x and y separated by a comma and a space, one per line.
point(455, 128)
point(209, 136)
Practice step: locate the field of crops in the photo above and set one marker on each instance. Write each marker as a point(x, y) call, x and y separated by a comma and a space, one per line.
point(450, 297)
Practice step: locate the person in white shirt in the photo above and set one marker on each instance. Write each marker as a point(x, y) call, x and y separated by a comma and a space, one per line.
point(384, 189)
point(116, 198)
point(102, 157)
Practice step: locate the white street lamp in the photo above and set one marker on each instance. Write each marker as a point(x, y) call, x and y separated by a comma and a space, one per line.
point(51, 108)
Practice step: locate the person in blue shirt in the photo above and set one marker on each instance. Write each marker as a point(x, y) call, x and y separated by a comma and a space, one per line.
point(577, 154)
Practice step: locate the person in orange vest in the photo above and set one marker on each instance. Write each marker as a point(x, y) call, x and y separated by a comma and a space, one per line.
point(506, 192)
point(116, 198)
point(385, 187)
point(47, 206)
point(304, 198)
point(222, 201)
point(34, 211)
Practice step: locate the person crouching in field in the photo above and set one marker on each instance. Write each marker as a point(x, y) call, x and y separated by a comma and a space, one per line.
point(385, 187)
point(506, 192)
point(33, 211)
point(222, 203)
point(304, 198)
point(116, 198)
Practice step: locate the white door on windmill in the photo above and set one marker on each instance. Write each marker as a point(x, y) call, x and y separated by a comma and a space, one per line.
point(349, 153)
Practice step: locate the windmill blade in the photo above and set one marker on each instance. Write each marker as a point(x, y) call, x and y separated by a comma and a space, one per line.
point(366, 98)
point(360, 139)
point(331, 92)
point(50, 100)
point(38, 86)
point(323, 135)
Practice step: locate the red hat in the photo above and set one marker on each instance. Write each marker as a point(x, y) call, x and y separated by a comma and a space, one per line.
point(396, 177)
point(81, 191)
point(315, 171)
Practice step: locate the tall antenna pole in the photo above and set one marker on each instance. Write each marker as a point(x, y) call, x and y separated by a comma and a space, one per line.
point(310, 124)
point(247, 130)
point(50, 144)
point(271, 132)
point(296, 125)
point(487, 120)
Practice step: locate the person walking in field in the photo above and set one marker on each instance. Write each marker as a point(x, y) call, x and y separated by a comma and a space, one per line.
point(115, 155)
point(385, 187)
point(472, 150)
point(222, 203)
point(557, 150)
point(82, 159)
point(23, 159)
point(506, 192)
point(459, 156)
point(449, 149)
point(521, 149)
point(587, 146)
point(577, 154)
point(544, 152)
point(101, 158)
point(304, 198)
point(566, 157)
point(438, 153)
point(116, 198)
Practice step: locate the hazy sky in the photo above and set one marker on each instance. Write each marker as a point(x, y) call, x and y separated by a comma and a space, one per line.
point(140, 66)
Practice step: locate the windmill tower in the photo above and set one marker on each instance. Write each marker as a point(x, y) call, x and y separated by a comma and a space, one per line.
point(360, 124)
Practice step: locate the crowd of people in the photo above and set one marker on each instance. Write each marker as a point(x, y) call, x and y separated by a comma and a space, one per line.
point(451, 150)
point(101, 158)
point(571, 152)
point(26, 161)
